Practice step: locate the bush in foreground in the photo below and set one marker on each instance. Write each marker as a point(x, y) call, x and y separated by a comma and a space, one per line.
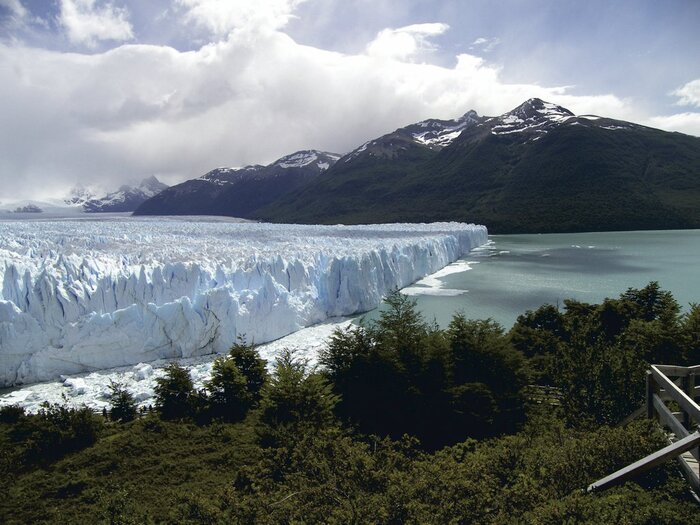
point(122, 403)
point(236, 382)
point(400, 375)
point(175, 394)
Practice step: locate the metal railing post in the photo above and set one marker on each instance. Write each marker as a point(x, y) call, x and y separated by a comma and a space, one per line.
point(690, 390)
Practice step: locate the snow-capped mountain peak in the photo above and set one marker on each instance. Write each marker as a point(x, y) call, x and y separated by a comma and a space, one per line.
point(240, 191)
point(433, 133)
point(80, 194)
point(532, 116)
point(151, 185)
point(441, 133)
point(224, 176)
point(536, 108)
point(126, 198)
point(303, 158)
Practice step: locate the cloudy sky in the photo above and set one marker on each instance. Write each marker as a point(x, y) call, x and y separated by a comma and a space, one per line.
point(111, 91)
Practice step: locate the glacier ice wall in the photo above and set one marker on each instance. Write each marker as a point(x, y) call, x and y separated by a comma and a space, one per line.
point(83, 295)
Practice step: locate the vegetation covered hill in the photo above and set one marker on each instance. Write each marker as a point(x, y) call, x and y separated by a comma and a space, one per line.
point(580, 174)
point(536, 169)
point(405, 423)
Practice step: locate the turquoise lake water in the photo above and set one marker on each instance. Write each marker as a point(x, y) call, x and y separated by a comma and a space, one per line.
point(515, 273)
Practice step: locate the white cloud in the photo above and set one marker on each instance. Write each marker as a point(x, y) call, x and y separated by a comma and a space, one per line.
point(86, 22)
point(485, 44)
point(141, 109)
point(405, 42)
point(17, 19)
point(222, 16)
point(688, 123)
point(688, 94)
point(15, 7)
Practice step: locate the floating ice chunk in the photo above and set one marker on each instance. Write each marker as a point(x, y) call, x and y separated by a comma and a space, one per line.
point(439, 292)
point(435, 285)
point(139, 397)
point(142, 371)
point(77, 385)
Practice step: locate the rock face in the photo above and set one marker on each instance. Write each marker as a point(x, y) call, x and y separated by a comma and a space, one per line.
point(29, 208)
point(84, 295)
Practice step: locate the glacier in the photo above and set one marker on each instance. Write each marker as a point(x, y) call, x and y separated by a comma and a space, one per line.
point(93, 389)
point(84, 295)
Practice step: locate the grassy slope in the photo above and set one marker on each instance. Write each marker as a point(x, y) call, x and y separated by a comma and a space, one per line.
point(182, 473)
point(153, 462)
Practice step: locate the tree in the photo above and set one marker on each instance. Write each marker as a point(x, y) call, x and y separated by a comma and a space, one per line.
point(174, 392)
point(400, 375)
point(378, 370)
point(253, 368)
point(488, 372)
point(400, 326)
point(236, 382)
point(538, 333)
point(229, 396)
point(122, 403)
point(295, 400)
point(690, 332)
point(652, 302)
point(601, 382)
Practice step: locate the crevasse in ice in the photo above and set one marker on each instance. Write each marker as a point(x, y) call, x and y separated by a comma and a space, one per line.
point(84, 295)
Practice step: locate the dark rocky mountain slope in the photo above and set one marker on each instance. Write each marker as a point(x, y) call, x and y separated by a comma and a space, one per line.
point(240, 192)
point(537, 168)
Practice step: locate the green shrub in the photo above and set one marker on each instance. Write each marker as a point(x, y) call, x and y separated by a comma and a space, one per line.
point(122, 404)
point(174, 393)
point(11, 414)
point(54, 431)
point(295, 400)
point(236, 382)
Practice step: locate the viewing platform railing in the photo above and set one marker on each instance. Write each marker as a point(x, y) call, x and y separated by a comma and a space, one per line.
point(677, 385)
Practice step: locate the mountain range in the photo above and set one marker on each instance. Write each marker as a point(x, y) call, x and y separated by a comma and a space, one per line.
point(240, 192)
point(537, 168)
point(127, 198)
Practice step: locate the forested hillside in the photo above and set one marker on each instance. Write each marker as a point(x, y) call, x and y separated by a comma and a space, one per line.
point(404, 422)
point(522, 172)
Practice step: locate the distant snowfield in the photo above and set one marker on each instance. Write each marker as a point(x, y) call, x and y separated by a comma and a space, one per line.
point(80, 296)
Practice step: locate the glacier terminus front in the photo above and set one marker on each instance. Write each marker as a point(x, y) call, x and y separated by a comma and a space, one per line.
point(85, 295)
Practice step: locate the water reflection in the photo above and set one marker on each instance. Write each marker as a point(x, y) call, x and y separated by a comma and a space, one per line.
point(589, 260)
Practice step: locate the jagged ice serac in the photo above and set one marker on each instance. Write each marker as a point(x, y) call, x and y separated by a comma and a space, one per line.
point(85, 295)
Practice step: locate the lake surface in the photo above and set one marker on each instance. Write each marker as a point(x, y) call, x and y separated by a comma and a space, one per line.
point(515, 273)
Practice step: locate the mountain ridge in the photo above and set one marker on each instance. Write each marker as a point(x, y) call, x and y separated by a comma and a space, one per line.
point(125, 199)
point(537, 168)
point(239, 192)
